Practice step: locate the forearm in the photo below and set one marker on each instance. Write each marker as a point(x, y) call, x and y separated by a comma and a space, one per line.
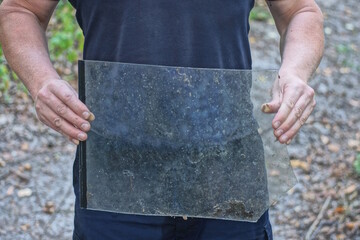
point(24, 44)
point(302, 45)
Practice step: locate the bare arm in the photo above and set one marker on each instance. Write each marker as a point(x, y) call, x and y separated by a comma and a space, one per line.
point(300, 25)
point(22, 35)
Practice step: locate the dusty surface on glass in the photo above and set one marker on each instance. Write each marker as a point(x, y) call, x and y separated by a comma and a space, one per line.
point(177, 141)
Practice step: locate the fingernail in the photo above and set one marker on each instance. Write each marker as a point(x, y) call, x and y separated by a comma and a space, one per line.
point(85, 126)
point(92, 117)
point(279, 132)
point(86, 115)
point(284, 138)
point(288, 142)
point(75, 141)
point(265, 108)
point(81, 136)
point(277, 124)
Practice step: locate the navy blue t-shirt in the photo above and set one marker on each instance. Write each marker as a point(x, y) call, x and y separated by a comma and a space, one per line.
point(187, 33)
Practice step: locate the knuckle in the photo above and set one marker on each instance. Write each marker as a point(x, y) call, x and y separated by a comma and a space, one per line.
point(302, 120)
point(311, 92)
point(57, 123)
point(38, 107)
point(61, 109)
point(290, 103)
point(68, 96)
point(42, 95)
point(298, 111)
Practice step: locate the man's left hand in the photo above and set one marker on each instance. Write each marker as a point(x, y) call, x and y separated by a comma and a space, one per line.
point(292, 101)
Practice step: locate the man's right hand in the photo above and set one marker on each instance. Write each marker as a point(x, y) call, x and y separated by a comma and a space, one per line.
point(57, 105)
point(22, 36)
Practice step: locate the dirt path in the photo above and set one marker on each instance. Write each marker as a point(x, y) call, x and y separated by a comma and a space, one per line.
point(36, 199)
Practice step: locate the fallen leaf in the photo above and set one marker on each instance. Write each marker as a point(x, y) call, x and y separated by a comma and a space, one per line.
point(327, 71)
point(350, 225)
point(340, 236)
point(300, 164)
point(350, 189)
point(339, 210)
point(252, 40)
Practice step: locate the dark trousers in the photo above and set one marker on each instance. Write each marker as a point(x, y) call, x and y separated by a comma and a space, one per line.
point(97, 225)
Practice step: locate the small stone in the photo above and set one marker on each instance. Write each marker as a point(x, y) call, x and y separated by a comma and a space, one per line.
point(25, 227)
point(345, 70)
point(25, 146)
point(324, 139)
point(274, 172)
point(2, 163)
point(10, 191)
point(353, 143)
point(354, 103)
point(328, 31)
point(335, 148)
point(349, 26)
point(27, 166)
point(26, 192)
point(185, 218)
point(49, 207)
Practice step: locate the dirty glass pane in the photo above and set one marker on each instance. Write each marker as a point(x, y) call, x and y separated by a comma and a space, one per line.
point(175, 141)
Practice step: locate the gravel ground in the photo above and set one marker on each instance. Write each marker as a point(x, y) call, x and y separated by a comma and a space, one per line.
point(36, 196)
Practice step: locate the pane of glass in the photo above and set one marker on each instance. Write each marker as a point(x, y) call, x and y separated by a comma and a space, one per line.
point(175, 141)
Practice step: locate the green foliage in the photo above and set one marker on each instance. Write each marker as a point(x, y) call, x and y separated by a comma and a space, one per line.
point(357, 164)
point(65, 41)
point(260, 13)
point(343, 49)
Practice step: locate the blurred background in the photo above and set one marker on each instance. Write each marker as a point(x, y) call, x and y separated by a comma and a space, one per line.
point(36, 195)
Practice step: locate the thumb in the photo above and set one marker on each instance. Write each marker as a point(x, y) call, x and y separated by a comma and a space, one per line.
point(274, 105)
point(271, 107)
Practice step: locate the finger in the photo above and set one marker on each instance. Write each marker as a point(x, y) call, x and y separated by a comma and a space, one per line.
point(74, 141)
point(271, 107)
point(290, 134)
point(69, 98)
point(66, 113)
point(294, 115)
point(73, 90)
point(274, 105)
point(288, 103)
point(49, 124)
point(61, 125)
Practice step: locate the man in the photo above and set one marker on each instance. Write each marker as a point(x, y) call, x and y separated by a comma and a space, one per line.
point(211, 34)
